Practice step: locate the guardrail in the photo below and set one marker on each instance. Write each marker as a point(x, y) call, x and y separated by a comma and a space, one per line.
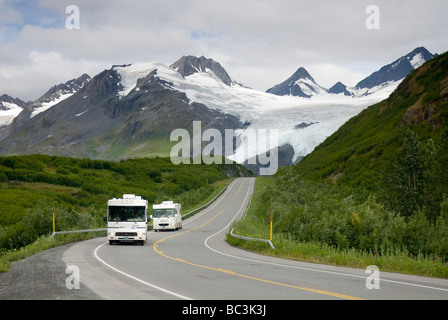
point(252, 239)
point(77, 231)
point(248, 238)
point(183, 216)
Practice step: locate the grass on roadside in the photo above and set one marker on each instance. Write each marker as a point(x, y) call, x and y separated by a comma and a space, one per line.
point(41, 244)
point(44, 242)
point(256, 224)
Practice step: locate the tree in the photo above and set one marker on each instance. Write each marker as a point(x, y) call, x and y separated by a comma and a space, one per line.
point(436, 176)
point(404, 185)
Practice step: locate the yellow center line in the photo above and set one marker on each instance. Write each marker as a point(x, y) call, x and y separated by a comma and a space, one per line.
point(333, 294)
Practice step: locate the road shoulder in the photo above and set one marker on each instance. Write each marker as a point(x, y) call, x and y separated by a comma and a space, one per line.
point(42, 277)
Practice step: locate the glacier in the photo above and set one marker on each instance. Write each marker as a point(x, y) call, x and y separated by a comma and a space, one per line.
point(325, 113)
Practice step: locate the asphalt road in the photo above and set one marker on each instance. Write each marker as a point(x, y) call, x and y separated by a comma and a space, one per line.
point(196, 263)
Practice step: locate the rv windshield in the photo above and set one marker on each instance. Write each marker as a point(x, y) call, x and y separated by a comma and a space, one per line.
point(124, 213)
point(160, 213)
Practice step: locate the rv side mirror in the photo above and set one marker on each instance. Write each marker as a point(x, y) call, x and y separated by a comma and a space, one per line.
point(105, 219)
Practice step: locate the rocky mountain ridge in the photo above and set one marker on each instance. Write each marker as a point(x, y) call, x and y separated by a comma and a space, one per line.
point(301, 83)
point(130, 110)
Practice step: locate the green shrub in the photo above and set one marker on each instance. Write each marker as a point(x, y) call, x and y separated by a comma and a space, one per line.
point(309, 212)
point(78, 189)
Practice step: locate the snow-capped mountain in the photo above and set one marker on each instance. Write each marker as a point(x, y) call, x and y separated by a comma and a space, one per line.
point(397, 70)
point(188, 65)
point(339, 88)
point(20, 112)
point(9, 109)
point(390, 76)
point(382, 82)
point(300, 84)
point(125, 111)
point(301, 123)
point(130, 111)
point(58, 93)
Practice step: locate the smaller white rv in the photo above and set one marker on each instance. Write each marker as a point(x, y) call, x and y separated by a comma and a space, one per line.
point(167, 216)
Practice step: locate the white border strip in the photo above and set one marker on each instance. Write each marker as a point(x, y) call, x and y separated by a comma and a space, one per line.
point(227, 189)
point(304, 268)
point(213, 202)
point(137, 279)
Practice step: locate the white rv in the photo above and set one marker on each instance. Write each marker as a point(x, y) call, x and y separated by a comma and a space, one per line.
point(127, 219)
point(167, 216)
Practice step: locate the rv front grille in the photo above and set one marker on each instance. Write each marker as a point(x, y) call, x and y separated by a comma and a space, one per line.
point(126, 234)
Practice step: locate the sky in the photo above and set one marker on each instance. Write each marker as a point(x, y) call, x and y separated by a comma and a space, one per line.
point(259, 42)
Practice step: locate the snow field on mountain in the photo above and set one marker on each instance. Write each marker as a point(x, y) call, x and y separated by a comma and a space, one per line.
point(11, 110)
point(303, 123)
point(262, 110)
point(47, 105)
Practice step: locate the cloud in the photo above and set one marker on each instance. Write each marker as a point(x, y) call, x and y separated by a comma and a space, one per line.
point(328, 74)
point(39, 72)
point(9, 16)
point(259, 42)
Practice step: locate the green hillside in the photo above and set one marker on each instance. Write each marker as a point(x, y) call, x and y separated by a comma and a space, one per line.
point(373, 193)
point(369, 151)
point(31, 187)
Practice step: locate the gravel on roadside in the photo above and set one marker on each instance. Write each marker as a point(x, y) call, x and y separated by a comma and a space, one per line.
point(42, 277)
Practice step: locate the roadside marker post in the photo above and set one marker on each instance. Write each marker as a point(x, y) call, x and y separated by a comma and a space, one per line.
point(270, 234)
point(54, 226)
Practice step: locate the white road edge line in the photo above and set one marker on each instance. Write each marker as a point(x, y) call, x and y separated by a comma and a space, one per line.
point(147, 283)
point(137, 279)
point(302, 268)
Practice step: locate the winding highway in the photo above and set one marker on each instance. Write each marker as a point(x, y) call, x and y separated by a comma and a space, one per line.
point(196, 263)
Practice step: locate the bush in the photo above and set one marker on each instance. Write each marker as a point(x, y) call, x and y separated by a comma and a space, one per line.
point(323, 213)
point(78, 189)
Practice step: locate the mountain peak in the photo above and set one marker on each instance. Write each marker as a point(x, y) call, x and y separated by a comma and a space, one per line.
point(8, 99)
point(398, 69)
point(10, 108)
point(300, 84)
point(188, 65)
point(339, 88)
point(422, 50)
point(64, 89)
point(301, 73)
